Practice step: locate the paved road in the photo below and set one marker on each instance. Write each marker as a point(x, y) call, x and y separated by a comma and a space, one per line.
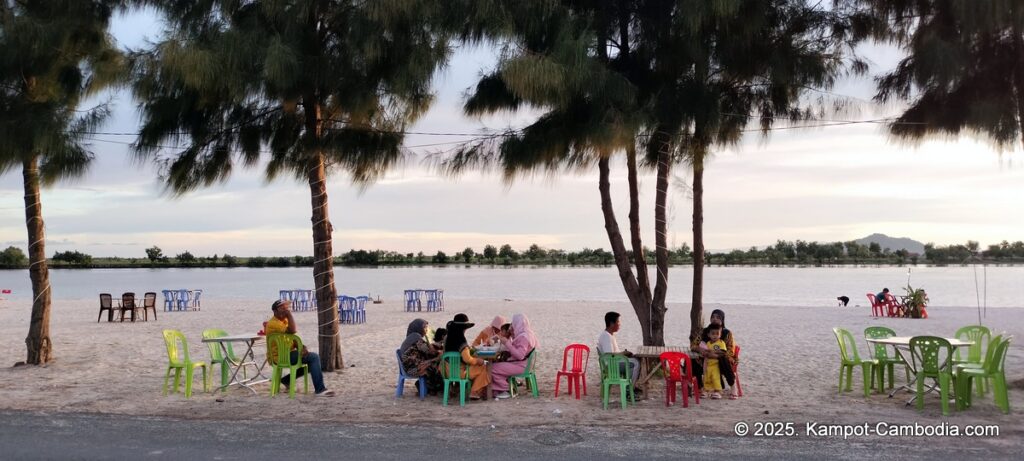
point(63, 436)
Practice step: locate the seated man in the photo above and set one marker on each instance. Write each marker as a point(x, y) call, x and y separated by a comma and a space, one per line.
point(283, 322)
point(606, 343)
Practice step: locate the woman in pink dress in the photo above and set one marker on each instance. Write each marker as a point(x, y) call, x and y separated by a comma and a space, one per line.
point(520, 344)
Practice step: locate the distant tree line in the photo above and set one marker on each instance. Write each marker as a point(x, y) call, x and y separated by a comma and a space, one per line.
point(783, 253)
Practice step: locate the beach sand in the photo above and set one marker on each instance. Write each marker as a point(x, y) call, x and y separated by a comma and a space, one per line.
point(788, 369)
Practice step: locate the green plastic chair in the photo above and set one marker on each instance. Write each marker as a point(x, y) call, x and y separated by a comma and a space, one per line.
point(453, 361)
point(527, 375)
point(283, 343)
point(178, 360)
point(850, 358)
point(972, 354)
point(612, 375)
point(217, 356)
point(994, 369)
point(989, 350)
point(931, 356)
point(883, 360)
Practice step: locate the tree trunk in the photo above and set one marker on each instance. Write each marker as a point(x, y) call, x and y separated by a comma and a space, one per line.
point(697, 306)
point(639, 258)
point(1018, 42)
point(611, 226)
point(323, 252)
point(323, 271)
point(40, 348)
point(660, 247)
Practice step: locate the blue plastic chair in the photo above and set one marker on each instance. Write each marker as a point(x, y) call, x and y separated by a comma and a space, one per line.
point(346, 309)
point(183, 299)
point(412, 300)
point(433, 301)
point(195, 299)
point(301, 302)
point(168, 300)
point(284, 295)
point(361, 308)
point(421, 382)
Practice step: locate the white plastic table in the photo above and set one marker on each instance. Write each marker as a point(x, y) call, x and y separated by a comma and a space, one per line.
point(902, 345)
point(247, 359)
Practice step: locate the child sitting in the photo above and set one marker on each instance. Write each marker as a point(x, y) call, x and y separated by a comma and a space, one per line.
point(712, 374)
point(439, 336)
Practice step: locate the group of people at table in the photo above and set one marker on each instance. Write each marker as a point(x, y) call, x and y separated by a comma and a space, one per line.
point(712, 353)
point(515, 341)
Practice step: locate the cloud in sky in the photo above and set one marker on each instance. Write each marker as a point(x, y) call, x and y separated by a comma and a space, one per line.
point(826, 184)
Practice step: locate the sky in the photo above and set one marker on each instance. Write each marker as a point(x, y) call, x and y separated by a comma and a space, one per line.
point(824, 184)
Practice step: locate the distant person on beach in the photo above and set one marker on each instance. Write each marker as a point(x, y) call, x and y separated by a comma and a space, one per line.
point(844, 300)
point(726, 357)
point(880, 297)
point(283, 322)
point(477, 367)
point(607, 344)
point(489, 335)
point(519, 347)
point(419, 356)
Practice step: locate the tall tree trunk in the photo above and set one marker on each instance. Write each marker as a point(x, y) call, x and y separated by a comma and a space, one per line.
point(40, 348)
point(611, 226)
point(661, 246)
point(1018, 43)
point(323, 253)
point(697, 302)
point(639, 258)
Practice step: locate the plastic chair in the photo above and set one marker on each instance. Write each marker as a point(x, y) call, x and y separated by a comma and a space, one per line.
point(932, 359)
point(736, 370)
point(894, 307)
point(283, 344)
point(106, 304)
point(284, 295)
point(528, 376)
point(217, 356)
point(360, 310)
point(453, 361)
point(196, 295)
point(178, 360)
point(183, 299)
point(877, 308)
point(989, 350)
point(677, 368)
point(128, 304)
point(616, 374)
point(882, 358)
point(575, 373)
point(168, 300)
point(977, 334)
point(433, 301)
point(850, 358)
point(148, 302)
point(421, 382)
point(346, 309)
point(994, 369)
point(412, 300)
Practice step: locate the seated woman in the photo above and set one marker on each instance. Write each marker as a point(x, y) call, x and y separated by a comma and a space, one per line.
point(489, 335)
point(727, 359)
point(419, 357)
point(519, 347)
point(455, 341)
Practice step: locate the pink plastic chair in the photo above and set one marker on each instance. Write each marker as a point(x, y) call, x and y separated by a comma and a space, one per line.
point(678, 370)
point(578, 372)
point(877, 308)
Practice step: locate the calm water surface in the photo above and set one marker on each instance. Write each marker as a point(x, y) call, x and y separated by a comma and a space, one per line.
point(805, 286)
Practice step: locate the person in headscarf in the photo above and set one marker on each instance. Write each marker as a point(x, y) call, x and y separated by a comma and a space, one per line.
point(489, 335)
point(522, 343)
point(419, 357)
point(477, 367)
point(728, 355)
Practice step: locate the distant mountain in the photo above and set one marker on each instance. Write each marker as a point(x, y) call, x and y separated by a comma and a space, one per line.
point(893, 243)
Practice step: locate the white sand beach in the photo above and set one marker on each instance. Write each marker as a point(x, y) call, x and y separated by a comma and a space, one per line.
point(788, 369)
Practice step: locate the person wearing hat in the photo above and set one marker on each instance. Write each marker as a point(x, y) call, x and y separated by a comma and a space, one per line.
point(283, 322)
point(490, 334)
point(456, 342)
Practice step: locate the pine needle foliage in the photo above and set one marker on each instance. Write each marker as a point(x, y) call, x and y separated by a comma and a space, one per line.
point(308, 87)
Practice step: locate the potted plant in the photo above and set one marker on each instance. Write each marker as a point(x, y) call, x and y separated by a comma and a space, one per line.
point(914, 301)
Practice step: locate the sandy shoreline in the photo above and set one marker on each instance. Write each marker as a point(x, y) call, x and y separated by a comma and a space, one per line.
point(788, 371)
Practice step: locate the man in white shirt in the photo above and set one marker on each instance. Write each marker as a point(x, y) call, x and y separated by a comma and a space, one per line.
point(606, 342)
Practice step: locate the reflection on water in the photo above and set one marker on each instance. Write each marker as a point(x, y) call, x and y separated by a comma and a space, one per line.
point(805, 286)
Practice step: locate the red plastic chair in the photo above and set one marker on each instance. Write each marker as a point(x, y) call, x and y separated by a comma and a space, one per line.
point(677, 368)
point(736, 370)
point(893, 305)
point(578, 372)
point(877, 308)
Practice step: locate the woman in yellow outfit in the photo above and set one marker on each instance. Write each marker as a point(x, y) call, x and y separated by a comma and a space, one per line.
point(456, 342)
